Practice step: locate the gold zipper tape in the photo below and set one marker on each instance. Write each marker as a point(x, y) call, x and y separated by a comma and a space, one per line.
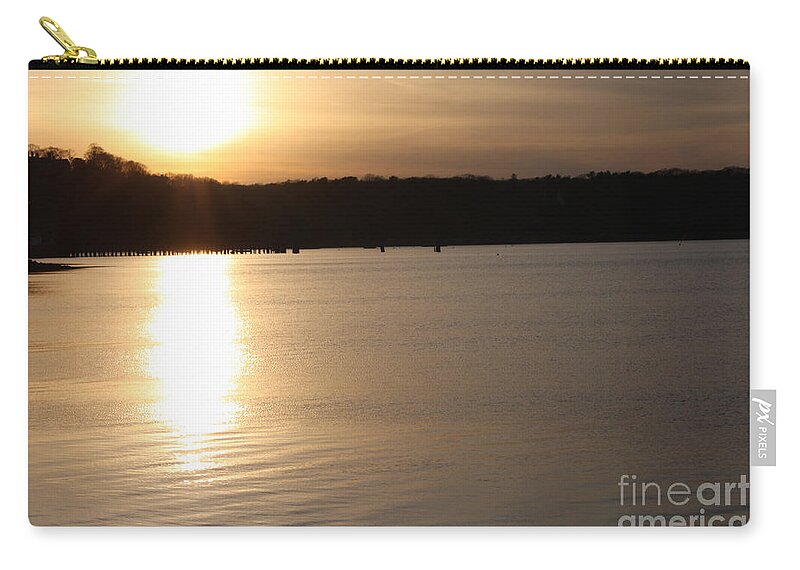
point(381, 63)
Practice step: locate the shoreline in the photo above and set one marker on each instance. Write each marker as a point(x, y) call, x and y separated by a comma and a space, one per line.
point(42, 267)
point(283, 251)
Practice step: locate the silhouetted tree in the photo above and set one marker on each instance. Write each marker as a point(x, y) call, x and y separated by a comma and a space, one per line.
point(49, 153)
point(105, 202)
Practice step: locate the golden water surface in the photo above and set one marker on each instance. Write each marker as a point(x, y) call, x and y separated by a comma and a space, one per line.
point(481, 385)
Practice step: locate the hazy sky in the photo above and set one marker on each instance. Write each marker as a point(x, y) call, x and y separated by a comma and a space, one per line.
point(252, 126)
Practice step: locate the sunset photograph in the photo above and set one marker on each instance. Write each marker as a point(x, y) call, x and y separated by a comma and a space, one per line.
point(388, 296)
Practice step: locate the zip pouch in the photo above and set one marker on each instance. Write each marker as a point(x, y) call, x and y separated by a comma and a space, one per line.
point(380, 292)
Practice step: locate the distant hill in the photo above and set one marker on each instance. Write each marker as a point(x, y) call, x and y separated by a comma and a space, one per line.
point(105, 203)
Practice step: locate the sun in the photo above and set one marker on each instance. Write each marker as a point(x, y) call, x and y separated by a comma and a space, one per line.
point(186, 111)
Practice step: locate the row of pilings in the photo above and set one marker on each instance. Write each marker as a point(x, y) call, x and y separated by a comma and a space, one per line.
point(229, 251)
point(157, 252)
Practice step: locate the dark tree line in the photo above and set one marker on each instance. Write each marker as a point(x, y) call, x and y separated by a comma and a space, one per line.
point(101, 202)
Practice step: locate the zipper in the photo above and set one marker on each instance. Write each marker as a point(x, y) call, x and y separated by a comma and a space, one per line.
point(73, 53)
point(79, 57)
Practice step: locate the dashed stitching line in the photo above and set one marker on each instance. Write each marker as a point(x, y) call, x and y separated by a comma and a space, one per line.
point(393, 77)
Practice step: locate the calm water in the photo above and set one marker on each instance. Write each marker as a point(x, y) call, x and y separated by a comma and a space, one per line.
point(353, 387)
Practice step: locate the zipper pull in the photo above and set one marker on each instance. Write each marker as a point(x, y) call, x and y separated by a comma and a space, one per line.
point(72, 52)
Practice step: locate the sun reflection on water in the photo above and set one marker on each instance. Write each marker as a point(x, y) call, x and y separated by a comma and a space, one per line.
point(196, 356)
